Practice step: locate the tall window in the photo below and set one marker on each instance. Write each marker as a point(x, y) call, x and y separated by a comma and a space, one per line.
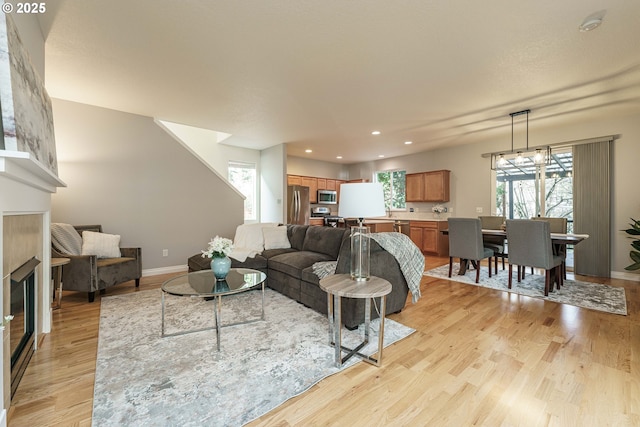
point(243, 177)
point(394, 187)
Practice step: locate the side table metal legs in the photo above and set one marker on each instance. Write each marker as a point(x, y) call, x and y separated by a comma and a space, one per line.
point(334, 311)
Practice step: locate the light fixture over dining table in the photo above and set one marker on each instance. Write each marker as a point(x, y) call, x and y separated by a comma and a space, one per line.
point(539, 155)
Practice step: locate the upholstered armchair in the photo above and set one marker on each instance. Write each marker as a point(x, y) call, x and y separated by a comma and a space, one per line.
point(91, 273)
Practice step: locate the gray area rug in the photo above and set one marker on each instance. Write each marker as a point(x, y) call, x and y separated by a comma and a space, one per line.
point(595, 296)
point(143, 379)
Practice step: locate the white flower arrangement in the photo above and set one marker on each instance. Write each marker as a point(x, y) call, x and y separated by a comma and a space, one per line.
point(8, 318)
point(219, 247)
point(438, 209)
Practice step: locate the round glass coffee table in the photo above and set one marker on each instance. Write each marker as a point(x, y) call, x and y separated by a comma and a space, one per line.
point(203, 284)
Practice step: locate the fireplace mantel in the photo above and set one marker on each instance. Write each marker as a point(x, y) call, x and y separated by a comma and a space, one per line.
point(22, 167)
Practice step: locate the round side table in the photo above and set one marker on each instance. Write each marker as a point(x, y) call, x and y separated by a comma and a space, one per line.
point(341, 285)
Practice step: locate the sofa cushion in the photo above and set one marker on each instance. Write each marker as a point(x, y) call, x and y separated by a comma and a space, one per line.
point(257, 262)
point(293, 263)
point(296, 235)
point(326, 240)
point(269, 253)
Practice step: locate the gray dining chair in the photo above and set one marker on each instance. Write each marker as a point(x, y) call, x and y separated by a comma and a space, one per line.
point(465, 242)
point(557, 225)
point(530, 245)
point(495, 243)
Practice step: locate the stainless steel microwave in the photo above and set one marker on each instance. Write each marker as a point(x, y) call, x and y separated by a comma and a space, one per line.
point(327, 197)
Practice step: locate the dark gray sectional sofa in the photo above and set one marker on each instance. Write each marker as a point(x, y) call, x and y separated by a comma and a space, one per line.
point(290, 272)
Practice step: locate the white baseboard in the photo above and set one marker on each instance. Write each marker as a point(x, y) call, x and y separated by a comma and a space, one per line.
point(164, 270)
point(635, 277)
point(3, 418)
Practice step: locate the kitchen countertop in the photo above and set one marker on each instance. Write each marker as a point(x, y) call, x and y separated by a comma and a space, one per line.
point(399, 218)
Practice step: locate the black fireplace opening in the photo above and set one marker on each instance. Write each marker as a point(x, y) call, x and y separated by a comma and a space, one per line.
point(22, 326)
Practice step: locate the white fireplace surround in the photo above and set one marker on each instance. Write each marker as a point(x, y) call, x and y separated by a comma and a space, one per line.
point(25, 189)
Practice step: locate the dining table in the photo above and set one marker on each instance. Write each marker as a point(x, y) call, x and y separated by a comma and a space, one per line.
point(557, 239)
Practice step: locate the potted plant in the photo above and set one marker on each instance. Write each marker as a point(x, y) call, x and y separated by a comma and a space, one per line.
point(634, 232)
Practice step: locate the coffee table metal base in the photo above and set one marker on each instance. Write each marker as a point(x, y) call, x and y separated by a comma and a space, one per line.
point(217, 312)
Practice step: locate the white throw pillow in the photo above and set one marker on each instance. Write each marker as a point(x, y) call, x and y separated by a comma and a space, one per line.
point(101, 244)
point(276, 238)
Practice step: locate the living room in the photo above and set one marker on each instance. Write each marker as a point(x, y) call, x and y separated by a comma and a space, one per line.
point(125, 171)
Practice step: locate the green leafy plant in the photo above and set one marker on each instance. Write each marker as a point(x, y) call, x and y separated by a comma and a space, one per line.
point(634, 232)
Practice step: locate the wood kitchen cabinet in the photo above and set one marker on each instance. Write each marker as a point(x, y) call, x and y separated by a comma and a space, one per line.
point(436, 186)
point(427, 235)
point(378, 226)
point(316, 221)
point(315, 184)
point(414, 187)
point(294, 180)
point(312, 183)
point(339, 182)
point(432, 186)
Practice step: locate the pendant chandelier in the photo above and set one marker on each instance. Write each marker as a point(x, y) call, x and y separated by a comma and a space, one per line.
point(539, 155)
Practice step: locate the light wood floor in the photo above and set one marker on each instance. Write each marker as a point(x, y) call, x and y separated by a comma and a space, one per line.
point(478, 357)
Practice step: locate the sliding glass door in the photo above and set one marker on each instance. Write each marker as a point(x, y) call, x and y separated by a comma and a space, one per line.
point(525, 189)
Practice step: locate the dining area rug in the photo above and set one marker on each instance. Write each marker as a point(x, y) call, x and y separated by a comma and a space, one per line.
point(143, 379)
point(595, 296)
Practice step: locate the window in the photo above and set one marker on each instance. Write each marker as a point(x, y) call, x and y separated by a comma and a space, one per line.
point(394, 187)
point(527, 190)
point(243, 177)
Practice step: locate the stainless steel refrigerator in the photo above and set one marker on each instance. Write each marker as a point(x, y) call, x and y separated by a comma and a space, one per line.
point(298, 207)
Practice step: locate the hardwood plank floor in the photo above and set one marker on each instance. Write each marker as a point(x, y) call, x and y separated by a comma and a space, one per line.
point(478, 357)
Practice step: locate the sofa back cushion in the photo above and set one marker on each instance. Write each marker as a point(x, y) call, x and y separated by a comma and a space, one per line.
point(296, 235)
point(325, 240)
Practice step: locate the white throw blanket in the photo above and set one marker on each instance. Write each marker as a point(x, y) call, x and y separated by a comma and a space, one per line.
point(407, 254)
point(249, 241)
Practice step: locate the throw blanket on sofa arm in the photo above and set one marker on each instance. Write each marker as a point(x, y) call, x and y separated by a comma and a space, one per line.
point(407, 254)
point(409, 258)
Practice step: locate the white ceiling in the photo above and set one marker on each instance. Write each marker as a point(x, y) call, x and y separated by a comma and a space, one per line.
point(323, 74)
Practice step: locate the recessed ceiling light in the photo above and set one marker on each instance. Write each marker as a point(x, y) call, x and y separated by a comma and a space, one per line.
point(375, 132)
point(338, 157)
point(381, 155)
point(408, 142)
point(308, 151)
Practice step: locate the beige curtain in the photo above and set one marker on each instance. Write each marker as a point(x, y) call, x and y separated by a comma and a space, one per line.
point(592, 208)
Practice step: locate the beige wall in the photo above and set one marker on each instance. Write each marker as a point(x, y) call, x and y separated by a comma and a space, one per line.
point(123, 171)
point(320, 169)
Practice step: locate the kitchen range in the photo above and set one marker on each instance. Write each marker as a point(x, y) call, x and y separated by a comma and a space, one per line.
point(325, 213)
